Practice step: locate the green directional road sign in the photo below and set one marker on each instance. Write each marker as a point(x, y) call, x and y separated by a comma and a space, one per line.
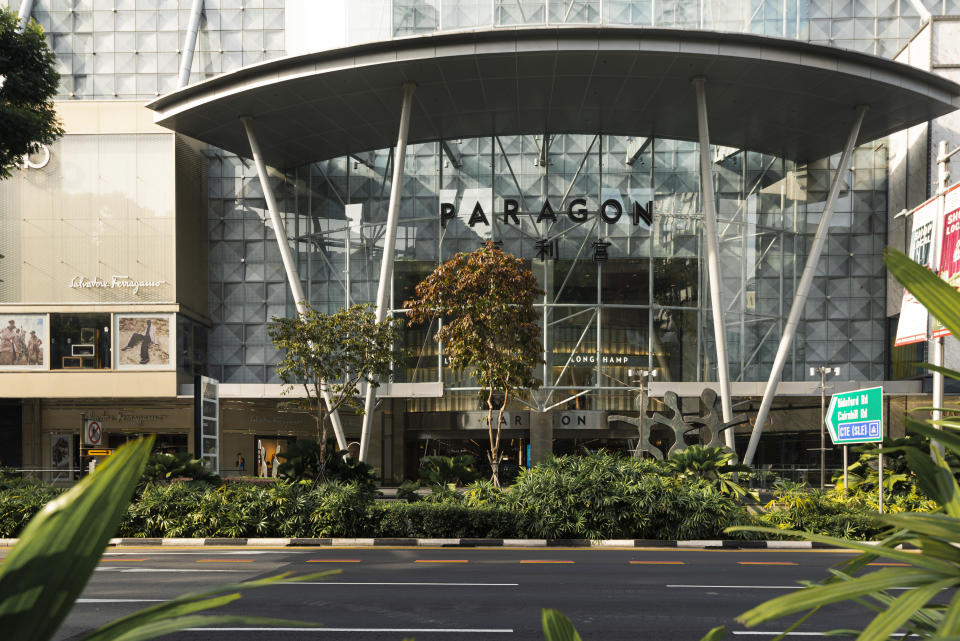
point(856, 417)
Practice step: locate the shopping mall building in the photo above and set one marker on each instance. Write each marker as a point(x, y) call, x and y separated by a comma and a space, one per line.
point(140, 251)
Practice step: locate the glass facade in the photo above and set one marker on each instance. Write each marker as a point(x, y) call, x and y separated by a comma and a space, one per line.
point(622, 295)
point(645, 307)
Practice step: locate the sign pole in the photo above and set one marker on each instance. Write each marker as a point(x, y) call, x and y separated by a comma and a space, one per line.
point(845, 469)
point(823, 423)
point(880, 470)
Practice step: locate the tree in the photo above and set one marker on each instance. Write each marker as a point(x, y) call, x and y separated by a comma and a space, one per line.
point(334, 353)
point(489, 325)
point(28, 82)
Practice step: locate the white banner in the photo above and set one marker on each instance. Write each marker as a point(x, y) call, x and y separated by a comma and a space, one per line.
point(912, 327)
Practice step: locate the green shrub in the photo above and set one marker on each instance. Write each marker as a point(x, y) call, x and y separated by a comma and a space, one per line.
point(608, 496)
point(164, 467)
point(306, 460)
point(797, 508)
point(446, 470)
point(20, 499)
point(240, 511)
point(441, 520)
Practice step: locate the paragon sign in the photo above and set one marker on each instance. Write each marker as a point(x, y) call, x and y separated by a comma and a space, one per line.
point(610, 211)
point(856, 417)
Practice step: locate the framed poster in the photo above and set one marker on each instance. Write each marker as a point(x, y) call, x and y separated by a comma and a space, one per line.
point(144, 341)
point(23, 342)
point(61, 457)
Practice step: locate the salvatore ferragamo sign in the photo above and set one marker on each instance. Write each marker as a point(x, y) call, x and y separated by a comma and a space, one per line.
point(115, 282)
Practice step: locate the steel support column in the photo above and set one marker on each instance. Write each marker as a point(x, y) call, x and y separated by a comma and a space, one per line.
point(26, 7)
point(289, 266)
point(190, 43)
point(389, 244)
point(713, 253)
point(803, 288)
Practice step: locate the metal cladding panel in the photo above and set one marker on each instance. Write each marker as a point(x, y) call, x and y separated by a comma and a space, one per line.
point(784, 97)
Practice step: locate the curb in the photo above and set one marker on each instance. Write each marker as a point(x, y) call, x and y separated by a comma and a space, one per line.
point(728, 544)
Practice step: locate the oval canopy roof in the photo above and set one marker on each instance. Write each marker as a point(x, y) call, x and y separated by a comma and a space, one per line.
point(784, 97)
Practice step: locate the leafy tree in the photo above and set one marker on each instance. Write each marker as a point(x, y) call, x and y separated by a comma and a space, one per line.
point(444, 470)
point(334, 353)
point(489, 325)
point(306, 459)
point(28, 82)
point(712, 464)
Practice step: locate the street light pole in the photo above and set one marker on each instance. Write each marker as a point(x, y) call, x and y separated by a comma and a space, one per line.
point(823, 424)
point(823, 370)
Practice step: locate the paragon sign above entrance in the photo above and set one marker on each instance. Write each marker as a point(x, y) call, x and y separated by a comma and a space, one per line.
point(610, 211)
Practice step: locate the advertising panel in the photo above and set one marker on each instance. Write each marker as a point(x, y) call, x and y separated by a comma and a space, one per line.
point(23, 342)
point(949, 248)
point(912, 327)
point(144, 341)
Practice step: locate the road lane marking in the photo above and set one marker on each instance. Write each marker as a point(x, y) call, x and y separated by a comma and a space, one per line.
point(542, 561)
point(424, 583)
point(441, 560)
point(658, 562)
point(760, 587)
point(120, 601)
point(741, 587)
point(334, 560)
point(122, 560)
point(224, 561)
point(786, 634)
point(123, 569)
point(385, 630)
point(766, 563)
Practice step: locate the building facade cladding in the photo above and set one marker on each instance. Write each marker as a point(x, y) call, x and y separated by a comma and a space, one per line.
point(645, 308)
point(844, 324)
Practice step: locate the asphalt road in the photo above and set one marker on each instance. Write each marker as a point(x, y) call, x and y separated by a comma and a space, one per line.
point(476, 594)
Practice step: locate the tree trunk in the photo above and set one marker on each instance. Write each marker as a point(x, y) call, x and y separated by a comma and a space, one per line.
point(494, 453)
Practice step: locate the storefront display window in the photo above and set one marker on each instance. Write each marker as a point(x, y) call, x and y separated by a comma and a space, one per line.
point(80, 341)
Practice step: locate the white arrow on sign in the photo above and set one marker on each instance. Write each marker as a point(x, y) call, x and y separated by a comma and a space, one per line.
point(830, 426)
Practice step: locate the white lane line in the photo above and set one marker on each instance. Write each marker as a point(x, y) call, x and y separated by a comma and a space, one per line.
point(120, 601)
point(385, 630)
point(418, 583)
point(129, 569)
point(788, 634)
point(741, 587)
point(758, 587)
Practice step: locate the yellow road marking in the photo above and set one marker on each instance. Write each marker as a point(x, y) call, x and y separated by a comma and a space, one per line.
point(542, 561)
point(224, 560)
point(111, 560)
point(333, 560)
point(658, 562)
point(766, 563)
point(441, 561)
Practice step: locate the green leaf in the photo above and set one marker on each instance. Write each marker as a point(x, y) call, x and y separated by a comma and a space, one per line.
point(58, 550)
point(715, 634)
point(820, 595)
point(950, 624)
point(190, 603)
point(160, 627)
point(946, 371)
point(557, 627)
point(869, 548)
point(902, 609)
point(942, 300)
